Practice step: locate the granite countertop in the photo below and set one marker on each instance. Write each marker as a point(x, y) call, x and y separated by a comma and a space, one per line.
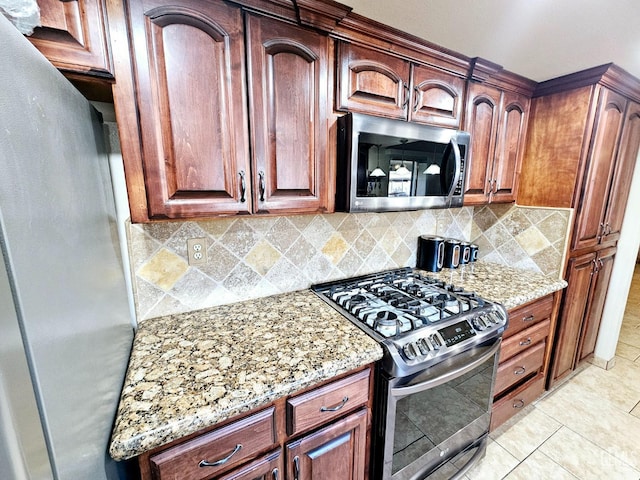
point(509, 286)
point(193, 370)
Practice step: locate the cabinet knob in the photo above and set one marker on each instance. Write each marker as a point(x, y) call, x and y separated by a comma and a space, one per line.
point(296, 468)
point(519, 371)
point(416, 98)
point(528, 318)
point(275, 474)
point(518, 403)
point(524, 343)
point(405, 101)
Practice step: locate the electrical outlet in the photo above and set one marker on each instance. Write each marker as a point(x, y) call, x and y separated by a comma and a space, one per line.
point(197, 251)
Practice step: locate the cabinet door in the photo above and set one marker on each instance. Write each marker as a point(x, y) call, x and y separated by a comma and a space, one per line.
point(72, 36)
point(189, 64)
point(288, 75)
point(574, 305)
point(336, 452)
point(269, 467)
point(600, 285)
point(627, 155)
point(510, 146)
point(372, 82)
point(481, 121)
point(599, 170)
point(436, 97)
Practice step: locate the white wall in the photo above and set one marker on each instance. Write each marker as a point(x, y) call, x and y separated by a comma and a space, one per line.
point(623, 267)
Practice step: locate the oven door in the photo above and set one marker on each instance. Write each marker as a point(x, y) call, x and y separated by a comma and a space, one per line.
point(437, 414)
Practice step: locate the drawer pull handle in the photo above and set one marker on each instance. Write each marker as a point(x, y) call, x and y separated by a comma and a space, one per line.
point(524, 343)
point(222, 461)
point(337, 407)
point(519, 371)
point(274, 474)
point(518, 403)
point(528, 318)
point(243, 186)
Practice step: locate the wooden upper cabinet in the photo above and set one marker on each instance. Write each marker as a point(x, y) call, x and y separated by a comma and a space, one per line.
point(189, 61)
point(372, 82)
point(73, 36)
point(621, 184)
point(583, 142)
point(481, 121)
point(512, 132)
point(437, 97)
point(288, 73)
point(497, 122)
point(381, 84)
point(590, 225)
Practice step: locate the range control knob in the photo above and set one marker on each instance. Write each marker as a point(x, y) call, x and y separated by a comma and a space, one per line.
point(423, 346)
point(410, 351)
point(435, 341)
point(478, 324)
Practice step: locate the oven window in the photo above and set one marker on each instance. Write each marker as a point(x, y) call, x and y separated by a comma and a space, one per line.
point(429, 419)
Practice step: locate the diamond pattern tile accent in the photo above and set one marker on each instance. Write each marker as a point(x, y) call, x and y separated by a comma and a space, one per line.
point(251, 257)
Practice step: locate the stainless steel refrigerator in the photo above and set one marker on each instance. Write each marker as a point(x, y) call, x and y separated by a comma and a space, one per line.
point(65, 326)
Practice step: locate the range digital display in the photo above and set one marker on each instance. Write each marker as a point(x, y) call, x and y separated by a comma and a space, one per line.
point(457, 333)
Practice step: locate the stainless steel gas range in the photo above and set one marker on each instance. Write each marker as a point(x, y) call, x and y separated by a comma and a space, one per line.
point(434, 385)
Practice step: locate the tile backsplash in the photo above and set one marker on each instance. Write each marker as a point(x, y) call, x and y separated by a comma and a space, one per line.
point(253, 256)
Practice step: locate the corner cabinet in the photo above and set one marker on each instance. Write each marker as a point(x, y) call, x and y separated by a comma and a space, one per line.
point(497, 122)
point(377, 83)
point(183, 102)
point(318, 434)
point(582, 148)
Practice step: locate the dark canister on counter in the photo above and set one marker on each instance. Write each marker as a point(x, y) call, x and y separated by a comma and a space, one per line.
point(451, 253)
point(465, 253)
point(473, 254)
point(430, 253)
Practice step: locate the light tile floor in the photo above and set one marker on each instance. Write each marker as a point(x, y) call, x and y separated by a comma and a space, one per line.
point(587, 428)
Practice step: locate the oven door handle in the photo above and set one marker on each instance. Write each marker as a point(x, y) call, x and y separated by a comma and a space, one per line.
point(449, 374)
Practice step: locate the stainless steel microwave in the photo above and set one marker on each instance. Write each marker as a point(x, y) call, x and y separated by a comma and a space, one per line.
point(391, 165)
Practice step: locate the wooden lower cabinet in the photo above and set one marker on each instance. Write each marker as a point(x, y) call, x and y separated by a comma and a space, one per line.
point(320, 433)
point(588, 276)
point(336, 452)
point(269, 467)
point(524, 357)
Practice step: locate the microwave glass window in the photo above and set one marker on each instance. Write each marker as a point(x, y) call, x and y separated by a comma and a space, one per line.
point(401, 167)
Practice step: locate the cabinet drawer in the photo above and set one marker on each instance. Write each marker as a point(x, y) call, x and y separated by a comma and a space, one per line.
point(523, 340)
point(322, 405)
point(527, 315)
point(246, 438)
point(519, 367)
point(508, 406)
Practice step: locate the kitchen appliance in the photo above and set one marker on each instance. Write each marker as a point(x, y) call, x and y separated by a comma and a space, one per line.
point(65, 325)
point(430, 256)
point(452, 250)
point(434, 384)
point(473, 252)
point(390, 165)
point(465, 253)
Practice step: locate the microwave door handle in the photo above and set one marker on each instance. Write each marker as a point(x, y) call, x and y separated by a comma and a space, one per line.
point(456, 176)
point(449, 375)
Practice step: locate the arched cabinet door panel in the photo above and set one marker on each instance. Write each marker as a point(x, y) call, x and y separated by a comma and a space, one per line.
point(437, 97)
point(510, 146)
point(372, 82)
point(600, 167)
point(288, 73)
point(189, 64)
point(483, 110)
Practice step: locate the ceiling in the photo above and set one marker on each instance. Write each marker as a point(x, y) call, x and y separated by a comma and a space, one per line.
point(539, 39)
